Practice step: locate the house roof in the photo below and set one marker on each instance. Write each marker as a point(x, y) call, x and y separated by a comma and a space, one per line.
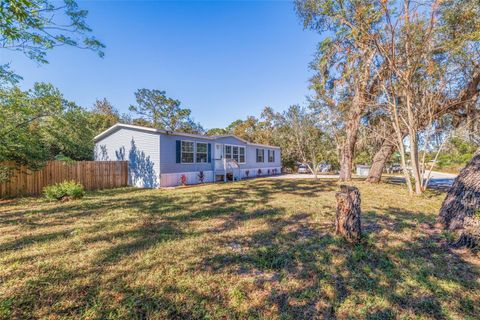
point(119, 126)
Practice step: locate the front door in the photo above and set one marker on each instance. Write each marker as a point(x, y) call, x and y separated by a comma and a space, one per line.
point(218, 156)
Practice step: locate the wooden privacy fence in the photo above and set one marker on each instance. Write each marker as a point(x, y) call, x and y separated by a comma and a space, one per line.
point(91, 174)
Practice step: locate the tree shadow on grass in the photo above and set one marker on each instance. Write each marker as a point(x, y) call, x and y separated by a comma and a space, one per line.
point(160, 213)
point(149, 235)
point(73, 293)
point(304, 188)
point(144, 303)
point(410, 276)
point(77, 292)
point(393, 219)
point(156, 201)
point(26, 240)
point(307, 272)
point(288, 248)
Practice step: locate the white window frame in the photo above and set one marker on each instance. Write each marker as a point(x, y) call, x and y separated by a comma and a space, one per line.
point(225, 151)
point(205, 153)
point(271, 152)
point(181, 152)
point(263, 155)
point(231, 153)
point(238, 154)
point(244, 154)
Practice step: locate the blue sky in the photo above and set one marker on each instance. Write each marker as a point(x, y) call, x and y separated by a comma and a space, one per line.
point(223, 60)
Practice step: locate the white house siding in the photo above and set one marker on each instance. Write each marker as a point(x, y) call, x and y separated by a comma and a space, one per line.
point(153, 163)
point(251, 163)
point(171, 172)
point(140, 148)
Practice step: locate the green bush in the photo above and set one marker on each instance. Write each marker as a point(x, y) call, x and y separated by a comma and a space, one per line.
point(65, 190)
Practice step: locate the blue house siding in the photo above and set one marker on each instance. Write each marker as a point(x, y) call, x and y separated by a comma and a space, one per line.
point(252, 157)
point(153, 156)
point(168, 156)
point(171, 170)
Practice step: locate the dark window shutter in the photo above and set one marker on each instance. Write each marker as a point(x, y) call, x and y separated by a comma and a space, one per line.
point(179, 151)
point(209, 153)
point(263, 155)
point(273, 155)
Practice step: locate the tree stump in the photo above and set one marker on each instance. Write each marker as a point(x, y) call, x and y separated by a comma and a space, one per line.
point(348, 222)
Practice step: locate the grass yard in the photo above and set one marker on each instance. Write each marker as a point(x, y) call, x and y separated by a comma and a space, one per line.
point(257, 249)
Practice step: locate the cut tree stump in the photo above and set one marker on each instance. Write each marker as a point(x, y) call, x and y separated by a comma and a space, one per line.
point(348, 222)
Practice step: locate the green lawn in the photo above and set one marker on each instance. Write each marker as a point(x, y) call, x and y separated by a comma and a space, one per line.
point(247, 250)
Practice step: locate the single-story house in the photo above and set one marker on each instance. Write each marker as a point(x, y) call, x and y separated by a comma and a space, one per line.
point(161, 158)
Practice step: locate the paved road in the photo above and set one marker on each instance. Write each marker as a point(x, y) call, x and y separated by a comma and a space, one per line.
point(305, 176)
point(438, 180)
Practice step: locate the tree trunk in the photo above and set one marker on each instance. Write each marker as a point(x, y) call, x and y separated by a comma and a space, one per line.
point(348, 149)
point(346, 163)
point(413, 137)
point(463, 198)
point(415, 162)
point(348, 222)
point(380, 160)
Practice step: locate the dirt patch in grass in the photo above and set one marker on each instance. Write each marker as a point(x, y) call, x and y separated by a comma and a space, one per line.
point(253, 249)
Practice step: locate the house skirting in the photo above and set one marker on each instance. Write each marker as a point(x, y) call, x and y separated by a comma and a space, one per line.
point(253, 173)
point(175, 179)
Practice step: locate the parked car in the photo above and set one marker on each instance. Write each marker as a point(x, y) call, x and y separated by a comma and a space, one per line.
point(395, 168)
point(324, 168)
point(303, 169)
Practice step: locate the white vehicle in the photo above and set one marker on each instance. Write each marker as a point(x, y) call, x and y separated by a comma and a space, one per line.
point(324, 168)
point(303, 169)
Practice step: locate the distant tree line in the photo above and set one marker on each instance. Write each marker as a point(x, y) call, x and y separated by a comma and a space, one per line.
point(39, 124)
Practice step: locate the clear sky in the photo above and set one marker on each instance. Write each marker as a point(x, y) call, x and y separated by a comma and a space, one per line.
point(223, 60)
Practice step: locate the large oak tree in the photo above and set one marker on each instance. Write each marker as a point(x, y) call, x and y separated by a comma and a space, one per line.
point(443, 44)
point(346, 78)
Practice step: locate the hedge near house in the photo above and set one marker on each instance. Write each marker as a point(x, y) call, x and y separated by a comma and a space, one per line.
point(64, 191)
